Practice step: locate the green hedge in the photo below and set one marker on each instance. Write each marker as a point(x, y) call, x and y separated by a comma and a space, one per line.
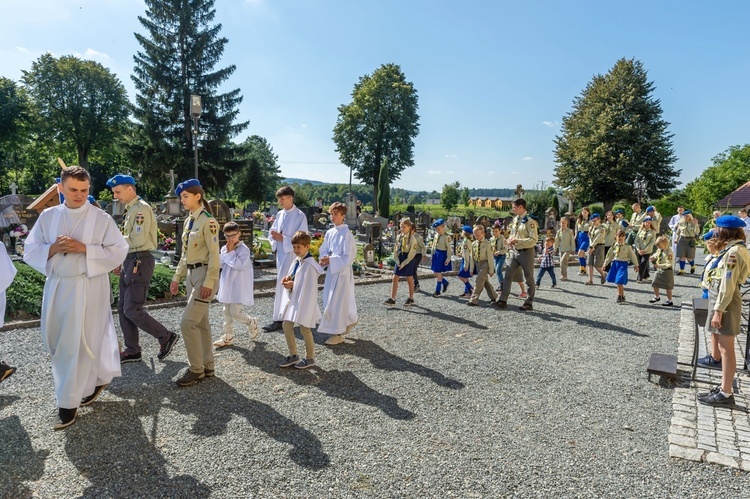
point(24, 296)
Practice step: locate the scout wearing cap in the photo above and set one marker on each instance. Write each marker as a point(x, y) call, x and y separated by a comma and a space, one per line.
point(731, 270)
point(655, 218)
point(687, 231)
point(200, 263)
point(466, 270)
point(524, 234)
point(139, 230)
point(442, 251)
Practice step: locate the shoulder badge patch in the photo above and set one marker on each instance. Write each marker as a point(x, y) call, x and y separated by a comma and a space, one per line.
point(213, 227)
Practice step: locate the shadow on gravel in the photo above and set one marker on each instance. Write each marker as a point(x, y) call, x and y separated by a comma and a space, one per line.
point(382, 359)
point(214, 403)
point(18, 461)
point(581, 321)
point(110, 448)
point(343, 385)
point(416, 309)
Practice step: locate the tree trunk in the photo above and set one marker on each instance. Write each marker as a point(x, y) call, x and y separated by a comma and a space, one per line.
point(608, 204)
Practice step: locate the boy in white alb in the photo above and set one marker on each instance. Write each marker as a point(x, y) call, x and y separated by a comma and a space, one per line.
point(299, 302)
point(235, 285)
point(338, 252)
point(289, 220)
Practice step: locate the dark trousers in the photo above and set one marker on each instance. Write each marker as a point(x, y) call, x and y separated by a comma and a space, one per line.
point(133, 293)
point(525, 260)
point(643, 264)
point(418, 259)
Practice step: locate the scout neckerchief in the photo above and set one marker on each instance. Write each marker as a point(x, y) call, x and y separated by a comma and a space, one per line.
point(476, 250)
point(715, 262)
point(297, 263)
point(405, 243)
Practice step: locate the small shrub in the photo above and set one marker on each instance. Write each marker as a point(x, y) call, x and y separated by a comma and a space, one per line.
point(24, 296)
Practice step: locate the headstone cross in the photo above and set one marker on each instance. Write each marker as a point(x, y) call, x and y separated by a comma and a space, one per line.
point(171, 176)
point(13, 186)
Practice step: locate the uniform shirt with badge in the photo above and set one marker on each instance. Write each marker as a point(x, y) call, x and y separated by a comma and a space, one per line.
point(482, 252)
point(644, 240)
point(525, 230)
point(499, 247)
point(139, 226)
point(731, 270)
point(200, 245)
point(565, 241)
point(596, 235)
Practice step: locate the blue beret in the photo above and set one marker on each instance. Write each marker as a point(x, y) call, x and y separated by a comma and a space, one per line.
point(595, 215)
point(687, 212)
point(650, 208)
point(647, 219)
point(437, 223)
point(193, 182)
point(708, 235)
point(468, 229)
point(618, 210)
point(730, 222)
point(91, 199)
point(120, 180)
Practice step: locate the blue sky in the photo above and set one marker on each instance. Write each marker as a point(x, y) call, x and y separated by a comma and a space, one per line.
point(494, 77)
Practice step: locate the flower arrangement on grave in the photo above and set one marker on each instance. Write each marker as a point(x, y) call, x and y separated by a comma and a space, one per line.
point(257, 216)
point(357, 267)
point(258, 252)
point(315, 247)
point(18, 230)
point(169, 244)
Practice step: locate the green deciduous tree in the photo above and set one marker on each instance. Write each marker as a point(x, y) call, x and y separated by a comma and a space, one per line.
point(465, 196)
point(384, 196)
point(259, 174)
point(450, 196)
point(730, 170)
point(178, 56)
point(615, 134)
point(15, 121)
point(80, 103)
point(379, 123)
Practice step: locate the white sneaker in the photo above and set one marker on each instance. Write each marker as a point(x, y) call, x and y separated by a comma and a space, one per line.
point(224, 341)
point(253, 327)
point(335, 340)
point(350, 328)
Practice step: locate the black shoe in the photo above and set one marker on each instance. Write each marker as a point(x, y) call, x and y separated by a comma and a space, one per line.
point(92, 398)
point(654, 299)
point(500, 304)
point(274, 326)
point(525, 307)
point(709, 361)
point(717, 399)
point(6, 371)
point(620, 299)
point(126, 358)
point(209, 373)
point(713, 391)
point(472, 304)
point(409, 302)
point(67, 418)
point(445, 286)
point(667, 303)
point(692, 269)
point(166, 348)
point(189, 378)
point(389, 301)
point(416, 288)
point(436, 294)
point(289, 361)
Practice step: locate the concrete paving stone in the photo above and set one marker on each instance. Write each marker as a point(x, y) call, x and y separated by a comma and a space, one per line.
point(682, 440)
point(681, 430)
point(678, 421)
point(706, 447)
point(728, 451)
point(718, 458)
point(689, 453)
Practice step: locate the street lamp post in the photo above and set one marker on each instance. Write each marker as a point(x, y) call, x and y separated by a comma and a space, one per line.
point(195, 112)
point(640, 185)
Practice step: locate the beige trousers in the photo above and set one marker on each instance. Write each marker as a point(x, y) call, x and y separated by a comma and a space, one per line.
point(291, 341)
point(196, 330)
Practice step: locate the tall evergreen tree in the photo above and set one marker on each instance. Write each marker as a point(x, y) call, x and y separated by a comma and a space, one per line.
point(615, 134)
point(384, 194)
point(180, 51)
point(380, 122)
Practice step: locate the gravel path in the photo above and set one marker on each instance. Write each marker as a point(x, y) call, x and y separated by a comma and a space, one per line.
point(435, 400)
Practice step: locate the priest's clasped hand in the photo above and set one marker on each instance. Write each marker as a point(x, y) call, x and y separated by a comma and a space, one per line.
point(65, 245)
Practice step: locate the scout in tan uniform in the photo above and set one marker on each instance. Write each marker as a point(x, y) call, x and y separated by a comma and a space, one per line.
point(582, 238)
point(139, 230)
point(596, 249)
point(644, 246)
point(655, 218)
point(524, 234)
point(564, 244)
point(499, 252)
point(725, 303)
point(421, 250)
point(483, 262)
point(442, 250)
point(687, 232)
point(200, 263)
point(636, 219)
point(663, 260)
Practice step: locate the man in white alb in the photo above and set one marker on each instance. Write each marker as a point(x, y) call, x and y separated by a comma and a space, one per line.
point(76, 245)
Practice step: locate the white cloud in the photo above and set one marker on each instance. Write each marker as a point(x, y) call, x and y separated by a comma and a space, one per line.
point(514, 173)
point(22, 49)
point(551, 124)
point(434, 172)
point(490, 173)
point(451, 156)
point(303, 125)
point(527, 158)
point(91, 54)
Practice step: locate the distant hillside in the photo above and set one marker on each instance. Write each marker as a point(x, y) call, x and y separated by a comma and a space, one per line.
point(303, 181)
